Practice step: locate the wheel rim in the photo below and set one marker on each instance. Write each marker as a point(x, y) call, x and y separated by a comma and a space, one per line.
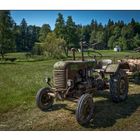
point(122, 87)
point(46, 99)
point(85, 113)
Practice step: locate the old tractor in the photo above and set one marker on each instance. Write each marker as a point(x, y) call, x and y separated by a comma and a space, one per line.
point(75, 80)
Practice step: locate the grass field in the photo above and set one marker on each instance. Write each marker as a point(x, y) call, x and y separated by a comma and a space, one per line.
point(19, 82)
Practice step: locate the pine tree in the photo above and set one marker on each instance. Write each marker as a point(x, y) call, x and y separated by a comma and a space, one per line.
point(71, 34)
point(60, 26)
point(23, 35)
point(86, 32)
point(6, 34)
point(45, 29)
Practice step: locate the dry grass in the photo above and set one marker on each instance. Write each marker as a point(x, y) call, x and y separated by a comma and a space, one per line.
point(108, 115)
point(19, 83)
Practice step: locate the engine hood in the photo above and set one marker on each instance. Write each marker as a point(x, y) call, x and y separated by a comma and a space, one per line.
point(61, 65)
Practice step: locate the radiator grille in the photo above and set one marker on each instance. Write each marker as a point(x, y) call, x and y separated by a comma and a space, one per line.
point(59, 78)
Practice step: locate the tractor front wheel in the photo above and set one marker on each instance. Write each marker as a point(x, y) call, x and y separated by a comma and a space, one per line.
point(43, 100)
point(85, 109)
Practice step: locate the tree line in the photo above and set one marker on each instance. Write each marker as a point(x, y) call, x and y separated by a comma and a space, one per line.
point(66, 35)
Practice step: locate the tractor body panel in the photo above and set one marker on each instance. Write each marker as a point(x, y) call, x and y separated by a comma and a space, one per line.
point(64, 70)
point(112, 68)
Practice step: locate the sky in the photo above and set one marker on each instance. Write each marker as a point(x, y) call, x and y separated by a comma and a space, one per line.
point(40, 17)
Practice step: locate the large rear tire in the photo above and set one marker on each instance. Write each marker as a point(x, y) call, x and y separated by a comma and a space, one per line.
point(43, 100)
point(85, 109)
point(119, 86)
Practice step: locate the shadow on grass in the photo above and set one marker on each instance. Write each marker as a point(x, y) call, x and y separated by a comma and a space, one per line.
point(107, 112)
point(25, 60)
point(71, 110)
point(102, 93)
point(5, 63)
point(56, 107)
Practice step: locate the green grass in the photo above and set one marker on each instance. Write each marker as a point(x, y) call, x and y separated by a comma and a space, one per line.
point(109, 54)
point(105, 54)
point(21, 57)
point(19, 82)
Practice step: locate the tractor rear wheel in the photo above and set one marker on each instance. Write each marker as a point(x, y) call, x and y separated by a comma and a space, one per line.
point(85, 109)
point(43, 100)
point(119, 86)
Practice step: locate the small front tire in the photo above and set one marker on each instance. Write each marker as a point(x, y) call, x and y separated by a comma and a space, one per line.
point(43, 100)
point(85, 109)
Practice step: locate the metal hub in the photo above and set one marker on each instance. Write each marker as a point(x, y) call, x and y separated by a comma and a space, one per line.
point(46, 99)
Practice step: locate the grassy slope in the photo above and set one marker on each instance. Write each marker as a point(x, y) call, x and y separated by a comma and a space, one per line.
point(19, 83)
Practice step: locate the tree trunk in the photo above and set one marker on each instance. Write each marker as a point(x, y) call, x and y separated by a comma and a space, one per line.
point(2, 54)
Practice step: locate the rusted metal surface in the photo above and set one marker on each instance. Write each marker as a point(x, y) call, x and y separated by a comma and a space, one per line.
point(64, 70)
point(59, 78)
point(61, 65)
point(112, 68)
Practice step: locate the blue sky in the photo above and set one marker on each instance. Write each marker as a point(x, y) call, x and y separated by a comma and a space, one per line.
point(80, 17)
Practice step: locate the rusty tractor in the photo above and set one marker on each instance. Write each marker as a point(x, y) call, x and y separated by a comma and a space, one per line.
point(78, 80)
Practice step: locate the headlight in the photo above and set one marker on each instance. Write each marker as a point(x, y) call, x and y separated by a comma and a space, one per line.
point(47, 79)
point(69, 83)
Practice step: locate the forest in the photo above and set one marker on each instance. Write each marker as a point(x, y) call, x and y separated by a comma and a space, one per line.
point(66, 35)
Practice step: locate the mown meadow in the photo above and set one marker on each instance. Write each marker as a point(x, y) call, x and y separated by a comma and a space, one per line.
point(20, 80)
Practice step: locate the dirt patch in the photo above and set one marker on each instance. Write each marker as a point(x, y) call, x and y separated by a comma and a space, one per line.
point(108, 115)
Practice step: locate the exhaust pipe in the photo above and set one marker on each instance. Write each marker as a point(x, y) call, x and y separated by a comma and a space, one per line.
point(73, 51)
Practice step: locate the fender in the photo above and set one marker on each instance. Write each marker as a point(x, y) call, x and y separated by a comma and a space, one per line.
point(113, 68)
